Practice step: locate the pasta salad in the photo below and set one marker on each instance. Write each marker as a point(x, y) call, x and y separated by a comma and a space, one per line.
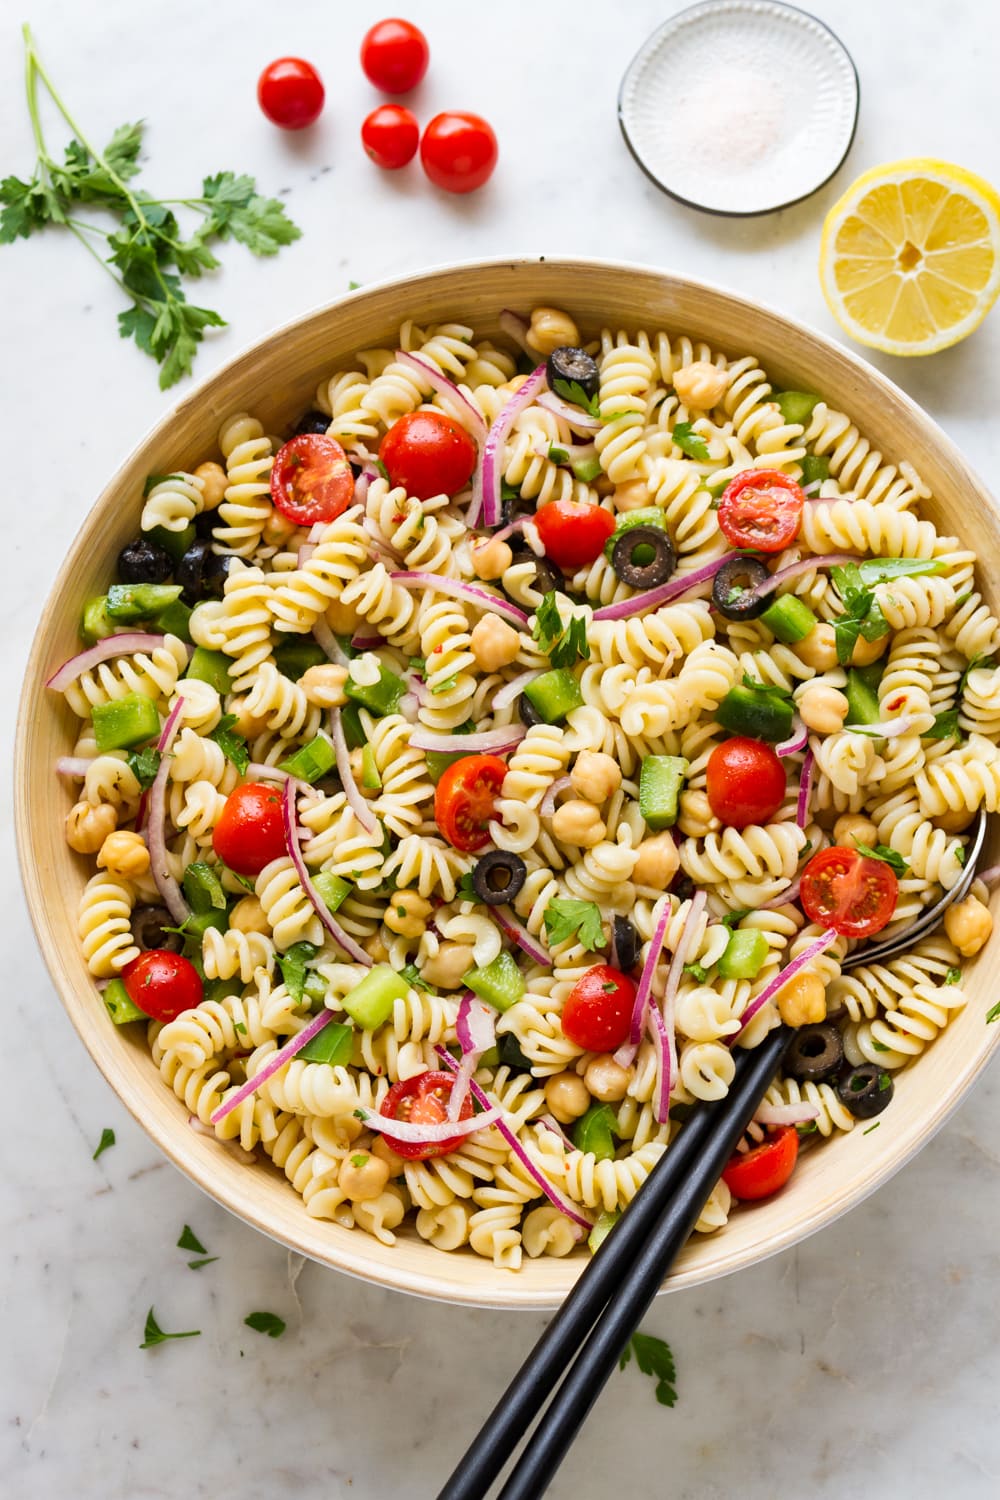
point(471, 770)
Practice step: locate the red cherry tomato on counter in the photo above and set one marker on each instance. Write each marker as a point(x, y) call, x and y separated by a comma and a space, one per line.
point(423, 1100)
point(761, 508)
point(429, 454)
point(394, 55)
point(849, 891)
point(745, 781)
point(458, 151)
point(464, 800)
point(291, 93)
point(391, 135)
point(763, 1169)
point(311, 479)
point(162, 984)
point(251, 831)
point(573, 534)
point(598, 1009)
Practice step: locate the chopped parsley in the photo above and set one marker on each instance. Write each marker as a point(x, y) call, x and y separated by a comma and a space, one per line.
point(574, 393)
point(872, 1127)
point(994, 1013)
point(265, 1322)
point(945, 727)
point(413, 977)
point(566, 917)
point(359, 1159)
point(153, 1334)
point(558, 455)
point(196, 1265)
point(689, 442)
point(732, 919)
point(862, 614)
point(190, 1241)
point(105, 1143)
point(697, 971)
point(953, 976)
point(888, 856)
point(564, 645)
point(293, 968)
point(466, 889)
point(144, 765)
point(654, 1357)
point(232, 745)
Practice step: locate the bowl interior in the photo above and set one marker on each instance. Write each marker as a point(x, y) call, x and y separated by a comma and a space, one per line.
point(276, 380)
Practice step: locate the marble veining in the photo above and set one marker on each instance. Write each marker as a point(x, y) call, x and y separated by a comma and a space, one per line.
point(862, 1363)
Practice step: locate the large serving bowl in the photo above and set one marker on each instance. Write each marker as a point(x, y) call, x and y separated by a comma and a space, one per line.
point(276, 379)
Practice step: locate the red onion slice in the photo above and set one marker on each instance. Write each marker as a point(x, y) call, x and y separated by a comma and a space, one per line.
point(658, 1031)
point(575, 416)
point(551, 1123)
point(548, 803)
point(553, 1195)
point(275, 1061)
point(797, 740)
point(788, 972)
point(366, 642)
point(430, 1135)
point(74, 766)
point(324, 913)
point(520, 935)
point(989, 877)
point(805, 788)
point(495, 741)
point(516, 327)
point(125, 644)
point(327, 641)
point(493, 449)
point(511, 691)
point(464, 411)
point(674, 587)
point(786, 1114)
point(784, 899)
point(887, 730)
point(358, 805)
point(173, 896)
point(470, 592)
point(476, 1029)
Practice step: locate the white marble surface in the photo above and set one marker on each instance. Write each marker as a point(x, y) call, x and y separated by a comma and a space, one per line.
point(862, 1363)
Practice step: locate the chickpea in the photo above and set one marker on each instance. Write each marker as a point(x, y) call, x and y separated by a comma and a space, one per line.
point(215, 482)
point(802, 1000)
point(607, 1080)
point(87, 827)
point(342, 618)
point(248, 916)
point(551, 328)
point(448, 965)
point(851, 827)
point(595, 776)
point(632, 496)
point(382, 1149)
point(695, 817)
point(494, 643)
point(578, 823)
point(701, 384)
point(823, 709)
point(818, 649)
point(376, 949)
point(491, 560)
point(362, 1176)
point(955, 821)
point(969, 924)
point(324, 685)
point(124, 854)
point(657, 862)
point(865, 652)
point(407, 913)
point(566, 1096)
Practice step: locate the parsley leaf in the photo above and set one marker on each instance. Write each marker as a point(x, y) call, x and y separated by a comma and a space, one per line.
point(153, 1334)
point(732, 919)
point(293, 968)
point(413, 977)
point(953, 976)
point(558, 455)
point(697, 971)
point(574, 393)
point(563, 645)
point(358, 1160)
point(265, 1322)
point(144, 765)
point(888, 856)
point(190, 1241)
point(654, 1357)
point(237, 209)
point(945, 727)
point(107, 1140)
point(548, 622)
point(232, 745)
point(566, 917)
point(207, 1260)
point(689, 442)
point(994, 1013)
point(874, 1126)
point(466, 888)
point(774, 689)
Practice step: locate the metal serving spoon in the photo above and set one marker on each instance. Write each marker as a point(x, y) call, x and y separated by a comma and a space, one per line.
point(932, 916)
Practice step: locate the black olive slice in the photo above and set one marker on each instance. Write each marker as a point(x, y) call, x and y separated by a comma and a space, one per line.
point(643, 540)
point(527, 712)
point(498, 876)
point(626, 944)
point(733, 588)
point(149, 924)
point(311, 421)
point(866, 1090)
point(569, 366)
point(142, 561)
point(816, 1054)
point(547, 576)
point(202, 571)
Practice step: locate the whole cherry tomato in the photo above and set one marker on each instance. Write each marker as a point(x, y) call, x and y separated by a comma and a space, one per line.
point(763, 1169)
point(745, 782)
point(251, 831)
point(291, 93)
point(391, 135)
point(573, 534)
point(394, 55)
point(598, 1009)
point(311, 479)
point(429, 454)
point(761, 508)
point(464, 800)
point(162, 984)
point(423, 1100)
point(458, 151)
point(849, 891)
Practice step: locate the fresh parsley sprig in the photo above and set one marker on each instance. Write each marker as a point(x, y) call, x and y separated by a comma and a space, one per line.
point(654, 1357)
point(564, 645)
point(153, 1334)
point(147, 253)
point(566, 918)
point(887, 856)
point(690, 442)
point(232, 745)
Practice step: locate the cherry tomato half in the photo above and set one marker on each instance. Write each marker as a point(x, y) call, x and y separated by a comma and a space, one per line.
point(573, 534)
point(745, 781)
point(849, 891)
point(458, 151)
point(763, 1169)
point(311, 479)
point(464, 800)
point(394, 55)
point(162, 984)
point(251, 831)
point(429, 454)
point(291, 93)
point(761, 508)
point(598, 1009)
point(391, 135)
point(423, 1100)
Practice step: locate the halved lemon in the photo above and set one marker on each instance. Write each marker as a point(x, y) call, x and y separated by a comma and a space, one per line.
point(910, 256)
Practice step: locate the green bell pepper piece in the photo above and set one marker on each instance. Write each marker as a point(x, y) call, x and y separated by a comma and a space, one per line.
point(554, 695)
point(660, 782)
point(381, 697)
point(789, 619)
point(745, 955)
point(795, 406)
point(203, 888)
point(175, 543)
point(211, 667)
point(333, 1045)
point(862, 700)
point(500, 983)
point(292, 658)
point(595, 1132)
point(370, 1003)
point(762, 716)
point(96, 624)
point(140, 601)
point(312, 761)
point(121, 1007)
point(125, 722)
point(332, 890)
